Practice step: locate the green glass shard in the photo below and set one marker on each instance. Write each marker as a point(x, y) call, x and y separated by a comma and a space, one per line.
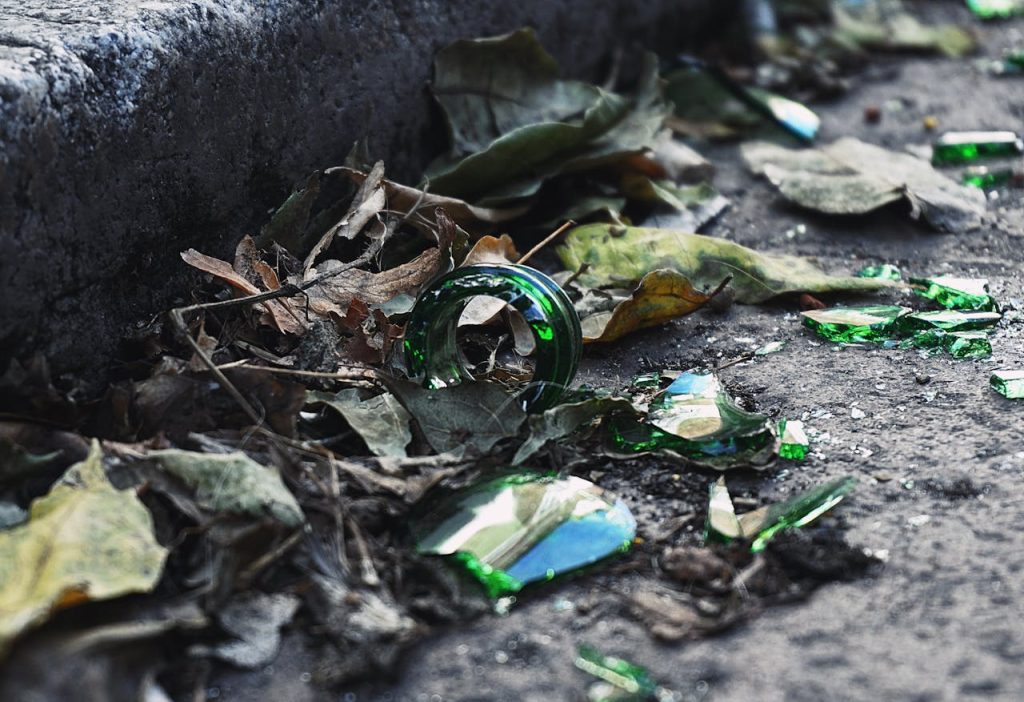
point(794, 443)
point(886, 271)
point(760, 525)
point(868, 323)
point(646, 380)
point(525, 528)
point(968, 344)
point(950, 320)
point(964, 147)
point(933, 339)
point(955, 293)
point(987, 178)
point(995, 9)
point(722, 523)
point(626, 682)
point(695, 418)
point(1008, 383)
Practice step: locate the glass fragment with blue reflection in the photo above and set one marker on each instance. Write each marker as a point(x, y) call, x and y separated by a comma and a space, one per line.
point(696, 418)
point(526, 528)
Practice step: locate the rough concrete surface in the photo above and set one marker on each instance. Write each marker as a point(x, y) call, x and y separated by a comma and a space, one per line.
point(130, 131)
point(942, 619)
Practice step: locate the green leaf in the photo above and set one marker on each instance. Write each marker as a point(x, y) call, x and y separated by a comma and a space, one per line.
point(471, 417)
point(620, 256)
point(852, 177)
point(381, 421)
point(513, 123)
point(85, 540)
point(232, 482)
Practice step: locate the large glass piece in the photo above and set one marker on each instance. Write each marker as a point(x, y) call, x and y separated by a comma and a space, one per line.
point(955, 293)
point(760, 525)
point(431, 348)
point(525, 528)
point(694, 417)
point(966, 147)
point(868, 323)
point(1008, 383)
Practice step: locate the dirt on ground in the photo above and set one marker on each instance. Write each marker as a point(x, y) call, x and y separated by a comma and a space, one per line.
point(939, 457)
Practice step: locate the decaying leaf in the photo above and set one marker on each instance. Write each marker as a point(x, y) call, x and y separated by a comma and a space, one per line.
point(886, 25)
point(852, 177)
point(381, 420)
point(232, 482)
point(470, 417)
point(621, 256)
point(288, 224)
point(246, 260)
point(489, 249)
point(563, 420)
point(513, 123)
point(85, 540)
point(661, 295)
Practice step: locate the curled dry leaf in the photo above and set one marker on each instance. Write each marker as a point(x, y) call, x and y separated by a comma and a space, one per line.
point(85, 540)
point(662, 295)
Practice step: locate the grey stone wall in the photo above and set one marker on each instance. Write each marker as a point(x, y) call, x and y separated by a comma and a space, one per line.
point(130, 131)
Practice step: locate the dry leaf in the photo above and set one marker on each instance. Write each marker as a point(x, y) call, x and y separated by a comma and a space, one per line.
point(84, 541)
point(662, 295)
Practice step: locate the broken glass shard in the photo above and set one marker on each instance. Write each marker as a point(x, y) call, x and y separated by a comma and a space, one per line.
point(968, 344)
point(994, 9)
point(793, 440)
point(770, 347)
point(622, 681)
point(955, 293)
point(722, 523)
point(965, 147)
point(1012, 63)
point(868, 323)
point(760, 525)
point(987, 178)
point(950, 320)
point(696, 418)
point(886, 271)
point(526, 528)
point(1008, 383)
point(793, 117)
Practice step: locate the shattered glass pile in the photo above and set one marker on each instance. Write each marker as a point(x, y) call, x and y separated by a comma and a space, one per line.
point(961, 329)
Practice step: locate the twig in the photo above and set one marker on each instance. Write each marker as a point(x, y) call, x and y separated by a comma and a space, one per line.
point(254, 568)
point(545, 241)
point(584, 267)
